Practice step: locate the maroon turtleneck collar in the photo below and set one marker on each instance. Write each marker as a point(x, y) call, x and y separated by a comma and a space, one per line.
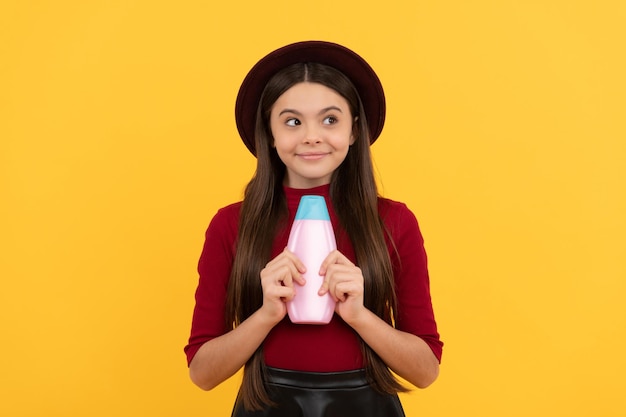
point(293, 195)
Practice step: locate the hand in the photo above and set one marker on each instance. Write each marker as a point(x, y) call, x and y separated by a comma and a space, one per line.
point(277, 280)
point(344, 282)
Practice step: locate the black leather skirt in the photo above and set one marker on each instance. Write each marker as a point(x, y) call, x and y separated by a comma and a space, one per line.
point(313, 394)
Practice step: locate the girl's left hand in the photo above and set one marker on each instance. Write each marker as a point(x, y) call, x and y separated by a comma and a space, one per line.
point(344, 282)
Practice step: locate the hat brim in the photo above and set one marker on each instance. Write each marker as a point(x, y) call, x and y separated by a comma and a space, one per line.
point(334, 55)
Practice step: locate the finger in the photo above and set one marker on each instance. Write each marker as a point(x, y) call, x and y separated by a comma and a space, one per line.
point(291, 274)
point(278, 285)
point(286, 254)
point(323, 288)
point(286, 275)
point(281, 292)
point(343, 280)
point(284, 268)
point(293, 258)
point(325, 282)
point(336, 278)
point(298, 267)
point(335, 257)
point(331, 276)
point(343, 290)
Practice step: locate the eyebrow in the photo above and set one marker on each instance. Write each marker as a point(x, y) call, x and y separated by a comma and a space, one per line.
point(324, 110)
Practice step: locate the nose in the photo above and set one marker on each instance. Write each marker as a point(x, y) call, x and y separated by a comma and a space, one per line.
point(312, 135)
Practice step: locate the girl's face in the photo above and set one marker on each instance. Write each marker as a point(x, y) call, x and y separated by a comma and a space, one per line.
point(312, 129)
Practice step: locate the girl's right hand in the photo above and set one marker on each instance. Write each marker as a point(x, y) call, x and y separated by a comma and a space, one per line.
point(277, 281)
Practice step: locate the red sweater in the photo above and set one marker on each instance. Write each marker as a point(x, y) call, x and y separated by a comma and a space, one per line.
point(319, 348)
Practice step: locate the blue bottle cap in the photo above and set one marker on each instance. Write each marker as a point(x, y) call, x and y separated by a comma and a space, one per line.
point(312, 207)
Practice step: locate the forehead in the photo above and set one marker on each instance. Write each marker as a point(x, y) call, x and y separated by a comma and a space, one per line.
point(310, 95)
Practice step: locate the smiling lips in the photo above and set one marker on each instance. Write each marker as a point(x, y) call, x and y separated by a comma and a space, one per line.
point(312, 156)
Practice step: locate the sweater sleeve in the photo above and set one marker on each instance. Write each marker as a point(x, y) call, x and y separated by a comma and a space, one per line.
point(214, 269)
point(415, 311)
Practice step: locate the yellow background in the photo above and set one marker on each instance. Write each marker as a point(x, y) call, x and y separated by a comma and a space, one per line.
point(505, 134)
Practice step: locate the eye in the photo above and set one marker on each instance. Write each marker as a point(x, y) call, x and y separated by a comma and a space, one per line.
point(330, 120)
point(292, 122)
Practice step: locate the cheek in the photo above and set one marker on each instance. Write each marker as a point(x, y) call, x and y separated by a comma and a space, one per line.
point(283, 156)
point(276, 134)
point(281, 146)
point(348, 137)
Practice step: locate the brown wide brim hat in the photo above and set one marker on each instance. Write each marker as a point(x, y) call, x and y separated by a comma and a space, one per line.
point(339, 57)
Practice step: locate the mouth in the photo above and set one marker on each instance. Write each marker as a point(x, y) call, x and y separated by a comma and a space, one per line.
point(312, 156)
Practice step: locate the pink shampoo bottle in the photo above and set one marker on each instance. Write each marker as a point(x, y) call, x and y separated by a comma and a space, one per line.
point(311, 239)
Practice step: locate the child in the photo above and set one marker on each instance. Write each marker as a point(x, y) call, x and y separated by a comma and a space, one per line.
point(309, 112)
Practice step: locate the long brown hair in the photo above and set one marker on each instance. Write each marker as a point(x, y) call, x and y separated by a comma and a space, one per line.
point(354, 197)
